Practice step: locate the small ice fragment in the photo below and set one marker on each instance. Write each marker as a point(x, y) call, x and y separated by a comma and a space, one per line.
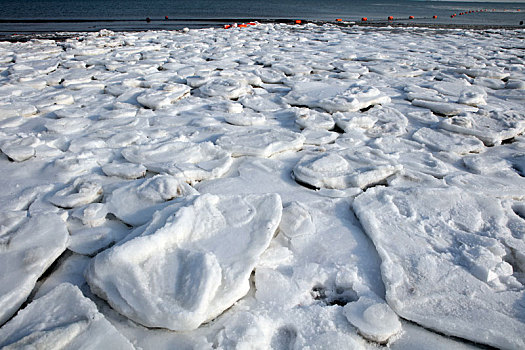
point(373, 318)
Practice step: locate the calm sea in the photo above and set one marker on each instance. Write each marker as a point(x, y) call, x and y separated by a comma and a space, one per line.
point(25, 16)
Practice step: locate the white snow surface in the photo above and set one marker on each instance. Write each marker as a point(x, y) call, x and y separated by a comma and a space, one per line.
point(270, 187)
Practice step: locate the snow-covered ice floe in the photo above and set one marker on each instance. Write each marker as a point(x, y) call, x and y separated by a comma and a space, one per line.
point(189, 264)
point(446, 261)
point(266, 187)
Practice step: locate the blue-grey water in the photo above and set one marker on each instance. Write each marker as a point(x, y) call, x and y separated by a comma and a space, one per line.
point(87, 15)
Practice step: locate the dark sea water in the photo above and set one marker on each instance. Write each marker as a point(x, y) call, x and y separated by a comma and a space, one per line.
point(90, 15)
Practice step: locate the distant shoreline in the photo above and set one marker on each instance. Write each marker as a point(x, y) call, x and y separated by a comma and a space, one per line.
point(206, 23)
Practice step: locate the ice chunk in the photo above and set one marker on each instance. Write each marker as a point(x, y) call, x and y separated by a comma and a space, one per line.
point(499, 184)
point(260, 142)
point(156, 99)
point(21, 149)
point(17, 109)
point(136, 201)
point(491, 129)
point(91, 230)
point(80, 192)
point(360, 167)
point(245, 119)
point(444, 108)
point(25, 253)
point(484, 72)
point(128, 171)
point(318, 136)
point(296, 221)
point(63, 318)
point(440, 249)
point(189, 161)
point(309, 118)
point(441, 140)
point(224, 87)
point(264, 103)
point(379, 121)
point(189, 265)
point(335, 97)
point(373, 318)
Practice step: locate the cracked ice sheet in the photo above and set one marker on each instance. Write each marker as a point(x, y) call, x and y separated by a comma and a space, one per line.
point(62, 318)
point(442, 252)
point(190, 264)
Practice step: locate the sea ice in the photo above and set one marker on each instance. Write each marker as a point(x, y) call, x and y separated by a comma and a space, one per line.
point(441, 140)
point(373, 318)
point(62, 318)
point(189, 265)
point(260, 142)
point(338, 97)
point(189, 161)
point(442, 252)
point(359, 167)
point(26, 252)
point(136, 201)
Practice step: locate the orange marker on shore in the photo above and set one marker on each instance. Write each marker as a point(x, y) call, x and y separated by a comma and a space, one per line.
point(410, 17)
point(364, 19)
point(390, 18)
point(298, 21)
point(338, 20)
point(434, 17)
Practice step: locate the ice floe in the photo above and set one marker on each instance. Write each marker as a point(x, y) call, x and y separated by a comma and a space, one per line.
point(444, 265)
point(360, 167)
point(189, 265)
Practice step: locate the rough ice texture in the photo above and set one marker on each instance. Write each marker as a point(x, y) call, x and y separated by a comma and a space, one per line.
point(26, 252)
point(444, 261)
point(61, 319)
point(190, 264)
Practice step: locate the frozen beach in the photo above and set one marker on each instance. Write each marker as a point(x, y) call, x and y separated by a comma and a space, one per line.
point(271, 186)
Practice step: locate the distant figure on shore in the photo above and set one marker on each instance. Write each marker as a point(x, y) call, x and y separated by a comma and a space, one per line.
point(148, 19)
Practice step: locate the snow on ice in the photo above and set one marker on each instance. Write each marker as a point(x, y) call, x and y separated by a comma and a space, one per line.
point(269, 187)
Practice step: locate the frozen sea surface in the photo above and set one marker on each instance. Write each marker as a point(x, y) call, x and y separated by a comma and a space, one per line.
point(268, 187)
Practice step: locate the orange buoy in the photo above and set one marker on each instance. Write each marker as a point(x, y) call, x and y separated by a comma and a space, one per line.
point(364, 19)
point(434, 17)
point(338, 19)
point(166, 18)
point(298, 21)
point(252, 24)
point(227, 26)
point(242, 25)
point(390, 18)
point(410, 17)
